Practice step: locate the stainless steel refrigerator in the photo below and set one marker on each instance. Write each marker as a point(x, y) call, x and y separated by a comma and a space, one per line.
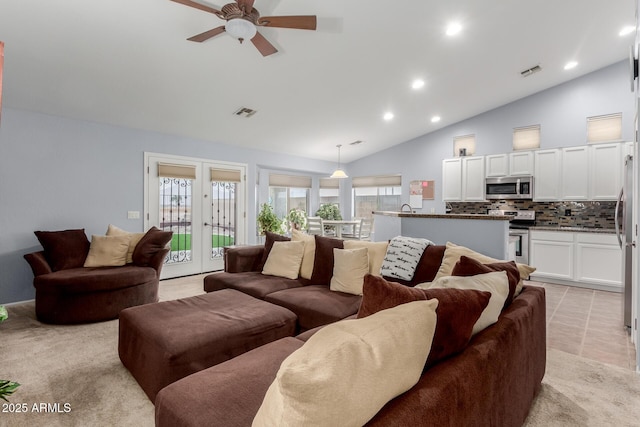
point(624, 231)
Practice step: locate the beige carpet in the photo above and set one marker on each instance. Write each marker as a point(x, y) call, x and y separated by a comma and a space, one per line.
point(79, 366)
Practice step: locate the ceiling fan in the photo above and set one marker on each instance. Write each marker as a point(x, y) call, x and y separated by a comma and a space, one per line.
point(242, 19)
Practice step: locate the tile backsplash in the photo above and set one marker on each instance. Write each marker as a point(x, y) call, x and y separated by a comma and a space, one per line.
point(562, 214)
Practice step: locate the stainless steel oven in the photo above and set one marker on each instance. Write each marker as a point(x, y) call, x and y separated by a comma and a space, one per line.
point(521, 238)
point(519, 225)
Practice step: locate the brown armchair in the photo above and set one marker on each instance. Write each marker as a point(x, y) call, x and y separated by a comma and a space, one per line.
point(68, 293)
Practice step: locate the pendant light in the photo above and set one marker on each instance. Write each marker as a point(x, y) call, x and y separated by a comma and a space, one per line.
point(339, 173)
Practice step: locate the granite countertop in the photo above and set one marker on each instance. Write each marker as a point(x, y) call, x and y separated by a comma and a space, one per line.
point(444, 216)
point(574, 229)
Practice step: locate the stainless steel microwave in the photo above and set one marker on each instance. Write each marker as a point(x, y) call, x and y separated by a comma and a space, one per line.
point(509, 187)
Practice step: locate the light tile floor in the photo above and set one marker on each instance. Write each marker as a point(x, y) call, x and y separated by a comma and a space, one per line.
point(580, 321)
point(588, 323)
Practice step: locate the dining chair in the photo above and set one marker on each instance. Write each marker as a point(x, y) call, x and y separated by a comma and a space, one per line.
point(315, 226)
point(353, 232)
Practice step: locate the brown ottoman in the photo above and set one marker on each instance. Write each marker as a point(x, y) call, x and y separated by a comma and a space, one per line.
point(162, 342)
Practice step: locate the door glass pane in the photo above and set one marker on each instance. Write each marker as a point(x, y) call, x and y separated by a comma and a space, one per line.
point(175, 215)
point(223, 216)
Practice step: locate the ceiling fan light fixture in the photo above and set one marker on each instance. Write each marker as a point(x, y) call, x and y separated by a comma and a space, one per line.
point(339, 173)
point(241, 29)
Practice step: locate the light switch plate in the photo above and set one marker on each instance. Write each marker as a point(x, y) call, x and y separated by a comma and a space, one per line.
point(133, 214)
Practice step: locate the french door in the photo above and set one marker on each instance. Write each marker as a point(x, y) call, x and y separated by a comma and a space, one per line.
point(202, 202)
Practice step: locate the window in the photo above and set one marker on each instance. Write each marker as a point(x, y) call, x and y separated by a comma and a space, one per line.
point(526, 138)
point(329, 191)
point(604, 128)
point(464, 145)
point(376, 193)
point(288, 192)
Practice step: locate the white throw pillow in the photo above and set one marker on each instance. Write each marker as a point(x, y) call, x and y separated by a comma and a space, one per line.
point(347, 371)
point(402, 257)
point(107, 251)
point(497, 283)
point(284, 259)
point(134, 238)
point(306, 268)
point(377, 251)
point(349, 268)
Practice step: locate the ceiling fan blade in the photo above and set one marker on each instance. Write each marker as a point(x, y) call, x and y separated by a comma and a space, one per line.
point(263, 45)
point(302, 22)
point(198, 6)
point(207, 35)
point(246, 4)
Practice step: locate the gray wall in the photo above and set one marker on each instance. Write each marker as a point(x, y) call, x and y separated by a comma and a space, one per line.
point(58, 173)
point(561, 112)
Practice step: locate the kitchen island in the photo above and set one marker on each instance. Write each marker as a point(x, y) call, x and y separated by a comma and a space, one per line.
point(486, 234)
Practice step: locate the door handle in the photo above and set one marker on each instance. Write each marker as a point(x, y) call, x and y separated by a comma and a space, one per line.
point(206, 224)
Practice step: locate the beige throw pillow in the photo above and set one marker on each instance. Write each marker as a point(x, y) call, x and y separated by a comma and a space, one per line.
point(497, 283)
point(453, 253)
point(107, 251)
point(347, 371)
point(134, 238)
point(306, 268)
point(349, 268)
point(377, 251)
point(284, 259)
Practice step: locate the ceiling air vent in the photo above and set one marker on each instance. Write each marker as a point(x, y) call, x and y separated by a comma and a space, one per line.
point(246, 112)
point(529, 71)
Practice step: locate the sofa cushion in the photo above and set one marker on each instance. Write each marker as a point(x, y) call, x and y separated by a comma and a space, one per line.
point(251, 283)
point(458, 311)
point(153, 241)
point(497, 283)
point(470, 267)
point(427, 266)
point(107, 251)
point(349, 268)
point(453, 253)
point(323, 260)
point(345, 373)
point(306, 267)
point(269, 240)
point(93, 279)
point(316, 305)
point(134, 238)
point(402, 257)
point(377, 251)
point(284, 260)
point(64, 249)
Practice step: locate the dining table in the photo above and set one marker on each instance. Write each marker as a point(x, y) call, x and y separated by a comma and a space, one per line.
point(339, 223)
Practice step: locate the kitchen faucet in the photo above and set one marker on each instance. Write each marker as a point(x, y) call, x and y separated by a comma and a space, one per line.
point(408, 205)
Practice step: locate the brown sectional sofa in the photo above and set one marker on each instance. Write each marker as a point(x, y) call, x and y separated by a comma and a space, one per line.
point(493, 381)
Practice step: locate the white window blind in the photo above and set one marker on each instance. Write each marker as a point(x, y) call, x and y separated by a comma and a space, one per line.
point(329, 183)
point(297, 181)
point(466, 143)
point(225, 175)
point(526, 138)
point(604, 128)
point(168, 170)
point(376, 181)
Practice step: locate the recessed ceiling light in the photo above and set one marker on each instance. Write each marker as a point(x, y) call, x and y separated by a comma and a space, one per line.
point(626, 30)
point(388, 116)
point(454, 28)
point(571, 64)
point(435, 119)
point(417, 84)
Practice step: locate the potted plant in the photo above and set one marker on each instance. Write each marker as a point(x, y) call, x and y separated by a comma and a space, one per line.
point(6, 387)
point(297, 219)
point(329, 211)
point(268, 220)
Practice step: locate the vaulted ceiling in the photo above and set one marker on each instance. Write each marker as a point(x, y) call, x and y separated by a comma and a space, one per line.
point(128, 63)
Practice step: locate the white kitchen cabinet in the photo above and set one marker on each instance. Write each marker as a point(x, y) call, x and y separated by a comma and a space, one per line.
point(551, 253)
point(473, 179)
point(496, 165)
point(521, 163)
point(605, 171)
point(547, 176)
point(575, 173)
point(452, 180)
point(581, 259)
